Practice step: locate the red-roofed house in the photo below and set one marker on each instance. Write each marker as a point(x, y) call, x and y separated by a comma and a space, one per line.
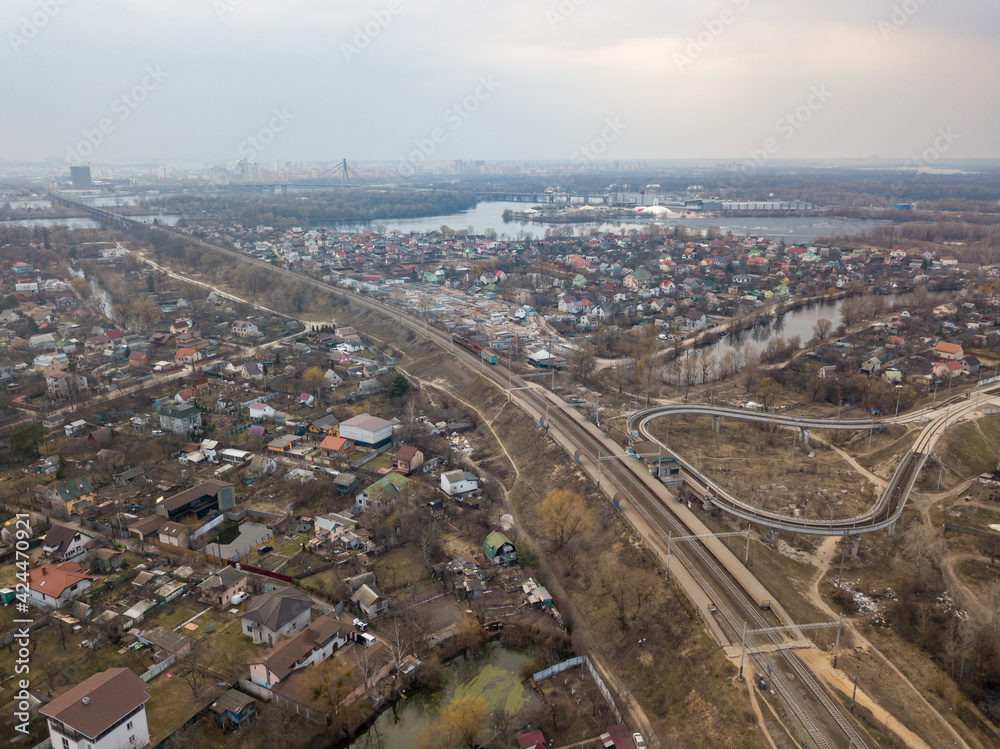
point(949, 351)
point(52, 585)
point(336, 447)
point(187, 356)
point(184, 396)
point(408, 459)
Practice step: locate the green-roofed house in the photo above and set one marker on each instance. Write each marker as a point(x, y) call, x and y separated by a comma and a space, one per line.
point(386, 488)
point(499, 549)
point(69, 497)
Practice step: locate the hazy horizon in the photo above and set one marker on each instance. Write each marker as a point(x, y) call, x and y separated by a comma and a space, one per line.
point(213, 81)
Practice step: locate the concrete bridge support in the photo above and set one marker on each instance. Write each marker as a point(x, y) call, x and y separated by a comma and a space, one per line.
point(716, 423)
point(804, 435)
point(855, 542)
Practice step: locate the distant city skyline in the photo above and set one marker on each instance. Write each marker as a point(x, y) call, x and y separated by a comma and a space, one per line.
point(756, 81)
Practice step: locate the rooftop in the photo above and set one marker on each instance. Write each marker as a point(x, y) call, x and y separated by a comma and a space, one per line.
point(97, 704)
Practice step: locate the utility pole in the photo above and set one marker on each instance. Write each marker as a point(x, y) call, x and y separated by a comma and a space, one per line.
point(836, 648)
point(669, 538)
point(843, 553)
point(856, 676)
point(743, 649)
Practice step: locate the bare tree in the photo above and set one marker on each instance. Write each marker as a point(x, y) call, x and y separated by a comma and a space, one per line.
point(822, 328)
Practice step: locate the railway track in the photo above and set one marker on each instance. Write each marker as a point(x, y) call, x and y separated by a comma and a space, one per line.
point(700, 559)
point(734, 604)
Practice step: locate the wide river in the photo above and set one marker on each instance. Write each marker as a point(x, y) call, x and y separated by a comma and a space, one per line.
point(490, 216)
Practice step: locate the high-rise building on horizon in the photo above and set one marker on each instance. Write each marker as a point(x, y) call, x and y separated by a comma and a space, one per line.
point(80, 176)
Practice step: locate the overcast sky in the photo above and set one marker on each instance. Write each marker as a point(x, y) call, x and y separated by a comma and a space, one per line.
point(497, 79)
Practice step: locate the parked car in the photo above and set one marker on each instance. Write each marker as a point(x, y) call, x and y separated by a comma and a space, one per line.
point(640, 742)
point(267, 548)
point(240, 598)
point(360, 624)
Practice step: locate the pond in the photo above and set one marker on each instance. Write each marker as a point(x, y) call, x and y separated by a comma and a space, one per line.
point(493, 674)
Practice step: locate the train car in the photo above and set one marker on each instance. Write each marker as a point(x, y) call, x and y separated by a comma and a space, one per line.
point(467, 344)
point(489, 357)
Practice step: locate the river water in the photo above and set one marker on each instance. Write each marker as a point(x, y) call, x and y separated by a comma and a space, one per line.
point(83, 222)
point(798, 322)
point(490, 216)
point(494, 675)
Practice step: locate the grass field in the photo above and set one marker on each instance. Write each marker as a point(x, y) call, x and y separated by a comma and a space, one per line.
point(758, 466)
point(967, 450)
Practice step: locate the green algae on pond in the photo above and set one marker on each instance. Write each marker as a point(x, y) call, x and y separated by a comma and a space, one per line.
point(494, 674)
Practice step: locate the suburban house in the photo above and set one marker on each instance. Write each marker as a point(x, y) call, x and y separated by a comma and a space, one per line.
point(244, 328)
point(50, 586)
point(325, 425)
point(283, 444)
point(408, 459)
point(371, 601)
point(499, 549)
point(694, 320)
point(180, 419)
point(366, 430)
point(458, 482)
point(260, 410)
point(949, 351)
point(175, 534)
point(62, 543)
point(147, 528)
point(232, 709)
point(345, 482)
point(276, 613)
point(199, 500)
point(187, 395)
point(107, 711)
point(68, 496)
point(220, 588)
point(187, 355)
point(336, 447)
point(386, 489)
point(312, 645)
point(333, 525)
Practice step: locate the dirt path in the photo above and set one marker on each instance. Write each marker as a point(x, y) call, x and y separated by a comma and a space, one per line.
point(954, 581)
point(879, 482)
point(926, 502)
point(821, 665)
point(760, 716)
point(630, 705)
point(441, 388)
